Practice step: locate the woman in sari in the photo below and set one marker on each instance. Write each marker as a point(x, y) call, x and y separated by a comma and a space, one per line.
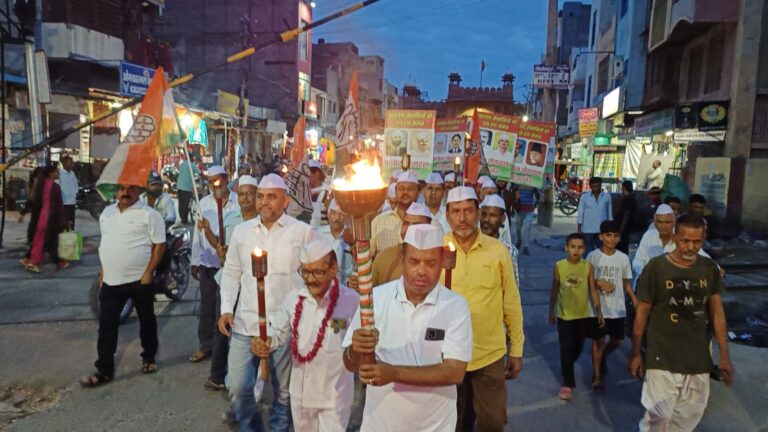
point(47, 221)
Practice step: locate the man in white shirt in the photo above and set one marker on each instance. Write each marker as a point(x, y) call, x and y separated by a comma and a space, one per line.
point(422, 344)
point(434, 192)
point(594, 208)
point(69, 187)
point(318, 313)
point(132, 244)
point(656, 177)
point(493, 217)
point(205, 262)
point(337, 233)
point(281, 237)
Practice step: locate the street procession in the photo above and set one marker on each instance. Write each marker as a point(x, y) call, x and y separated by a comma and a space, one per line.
point(214, 245)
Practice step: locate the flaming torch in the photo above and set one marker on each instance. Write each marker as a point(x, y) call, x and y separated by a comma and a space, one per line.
point(361, 196)
point(449, 262)
point(259, 271)
point(456, 166)
point(218, 192)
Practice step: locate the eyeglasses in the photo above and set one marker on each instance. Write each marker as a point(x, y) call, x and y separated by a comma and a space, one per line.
point(317, 274)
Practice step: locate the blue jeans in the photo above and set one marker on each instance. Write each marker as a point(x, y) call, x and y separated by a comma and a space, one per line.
point(280, 375)
point(591, 242)
point(242, 367)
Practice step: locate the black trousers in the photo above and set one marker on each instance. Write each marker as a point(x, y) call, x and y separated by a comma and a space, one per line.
point(69, 216)
point(220, 347)
point(184, 198)
point(571, 334)
point(112, 299)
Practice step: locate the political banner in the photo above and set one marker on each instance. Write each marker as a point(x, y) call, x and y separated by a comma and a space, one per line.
point(411, 132)
point(450, 134)
point(498, 135)
point(533, 143)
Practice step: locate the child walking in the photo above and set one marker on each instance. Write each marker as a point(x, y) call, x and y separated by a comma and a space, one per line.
point(573, 286)
point(613, 278)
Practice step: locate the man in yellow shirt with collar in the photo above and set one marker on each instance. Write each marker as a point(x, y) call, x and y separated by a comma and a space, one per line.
point(485, 277)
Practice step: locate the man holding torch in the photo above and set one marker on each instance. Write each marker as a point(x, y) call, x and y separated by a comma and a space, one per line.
point(484, 276)
point(422, 344)
point(280, 238)
point(313, 321)
point(205, 262)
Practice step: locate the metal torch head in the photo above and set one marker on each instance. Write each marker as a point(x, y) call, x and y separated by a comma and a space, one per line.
point(362, 205)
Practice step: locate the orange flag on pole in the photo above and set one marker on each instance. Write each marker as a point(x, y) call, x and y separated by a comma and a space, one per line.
point(299, 149)
point(472, 163)
point(155, 132)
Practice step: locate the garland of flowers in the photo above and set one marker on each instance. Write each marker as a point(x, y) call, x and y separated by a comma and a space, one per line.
point(321, 334)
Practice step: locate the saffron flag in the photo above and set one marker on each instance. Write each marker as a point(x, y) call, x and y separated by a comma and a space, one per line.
point(299, 191)
point(347, 129)
point(154, 133)
point(299, 149)
point(473, 151)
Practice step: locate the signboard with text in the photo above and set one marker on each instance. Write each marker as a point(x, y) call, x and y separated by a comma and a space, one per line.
point(412, 132)
point(450, 134)
point(588, 121)
point(134, 79)
point(535, 140)
point(553, 77)
point(498, 135)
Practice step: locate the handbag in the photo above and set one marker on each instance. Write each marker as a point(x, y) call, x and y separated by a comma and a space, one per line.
point(70, 245)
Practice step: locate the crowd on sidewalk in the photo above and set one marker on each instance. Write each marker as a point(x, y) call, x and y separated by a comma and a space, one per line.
point(441, 332)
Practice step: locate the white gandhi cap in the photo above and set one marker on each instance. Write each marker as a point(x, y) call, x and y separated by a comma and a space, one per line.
point(417, 209)
point(450, 177)
point(408, 177)
point(215, 171)
point(487, 183)
point(391, 190)
point(493, 201)
point(315, 250)
point(423, 236)
point(272, 181)
point(247, 180)
point(434, 178)
point(483, 179)
point(461, 193)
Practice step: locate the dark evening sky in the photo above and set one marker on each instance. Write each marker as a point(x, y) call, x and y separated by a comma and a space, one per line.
point(422, 41)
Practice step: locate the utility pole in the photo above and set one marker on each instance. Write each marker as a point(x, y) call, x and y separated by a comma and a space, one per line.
point(34, 104)
point(549, 105)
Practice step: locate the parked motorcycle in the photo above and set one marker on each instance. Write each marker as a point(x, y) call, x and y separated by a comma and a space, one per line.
point(170, 176)
point(172, 277)
point(566, 199)
point(88, 199)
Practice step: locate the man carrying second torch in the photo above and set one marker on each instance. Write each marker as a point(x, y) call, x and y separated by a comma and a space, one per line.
point(422, 344)
point(484, 276)
point(313, 320)
point(281, 237)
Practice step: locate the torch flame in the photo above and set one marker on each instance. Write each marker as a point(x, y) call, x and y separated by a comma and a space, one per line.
point(217, 183)
point(451, 247)
point(365, 176)
point(258, 252)
point(457, 161)
point(284, 169)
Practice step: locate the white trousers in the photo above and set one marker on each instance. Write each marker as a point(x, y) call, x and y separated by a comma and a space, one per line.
point(673, 402)
point(319, 420)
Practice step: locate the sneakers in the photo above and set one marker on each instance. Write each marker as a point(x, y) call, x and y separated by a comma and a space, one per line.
point(566, 393)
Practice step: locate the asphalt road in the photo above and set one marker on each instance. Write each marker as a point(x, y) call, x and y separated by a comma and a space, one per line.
point(48, 341)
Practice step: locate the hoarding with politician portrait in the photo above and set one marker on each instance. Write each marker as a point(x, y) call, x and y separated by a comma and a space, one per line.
point(534, 141)
point(450, 134)
point(498, 134)
point(412, 132)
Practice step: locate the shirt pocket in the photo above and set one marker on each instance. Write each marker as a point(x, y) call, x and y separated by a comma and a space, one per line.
point(286, 257)
point(431, 352)
point(486, 276)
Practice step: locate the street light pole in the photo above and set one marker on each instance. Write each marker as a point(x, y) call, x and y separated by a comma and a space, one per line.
point(36, 117)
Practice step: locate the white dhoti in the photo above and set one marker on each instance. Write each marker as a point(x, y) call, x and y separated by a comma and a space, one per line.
point(673, 402)
point(319, 420)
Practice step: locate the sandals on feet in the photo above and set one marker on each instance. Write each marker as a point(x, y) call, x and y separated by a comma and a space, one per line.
point(148, 367)
point(199, 356)
point(94, 380)
point(566, 393)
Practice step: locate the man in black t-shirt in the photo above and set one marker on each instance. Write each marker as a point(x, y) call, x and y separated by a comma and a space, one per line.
point(679, 298)
point(626, 215)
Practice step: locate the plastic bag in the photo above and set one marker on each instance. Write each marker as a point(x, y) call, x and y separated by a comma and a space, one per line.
point(70, 245)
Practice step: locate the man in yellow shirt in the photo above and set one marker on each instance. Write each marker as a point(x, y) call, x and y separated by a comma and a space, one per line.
point(385, 228)
point(388, 264)
point(485, 277)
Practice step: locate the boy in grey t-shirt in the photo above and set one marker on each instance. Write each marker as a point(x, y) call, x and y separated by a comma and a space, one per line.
point(613, 278)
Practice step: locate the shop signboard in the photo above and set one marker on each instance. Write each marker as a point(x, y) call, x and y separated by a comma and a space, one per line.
point(552, 77)
point(712, 116)
point(695, 135)
point(712, 181)
point(588, 121)
point(535, 140)
point(134, 79)
point(655, 123)
point(450, 134)
point(686, 116)
point(611, 102)
point(498, 135)
point(412, 132)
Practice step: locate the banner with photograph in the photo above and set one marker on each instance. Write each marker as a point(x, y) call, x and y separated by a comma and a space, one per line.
point(498, 135)
point(412, 132)
point(534, 142)
point(450, 134)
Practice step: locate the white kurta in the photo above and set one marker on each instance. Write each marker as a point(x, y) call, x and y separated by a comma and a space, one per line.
point(203, 254)
point(282, 244)
point(403, 330)
point(650, 247)
point(321, 390)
